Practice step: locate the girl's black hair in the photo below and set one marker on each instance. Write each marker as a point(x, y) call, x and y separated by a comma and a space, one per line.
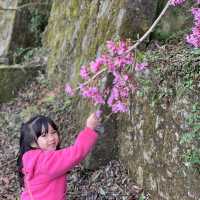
point(29, 133)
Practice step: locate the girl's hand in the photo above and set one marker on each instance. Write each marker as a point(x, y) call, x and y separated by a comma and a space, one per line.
point(92, 121)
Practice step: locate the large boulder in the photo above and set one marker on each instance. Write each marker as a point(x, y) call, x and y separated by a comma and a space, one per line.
point(13, 78)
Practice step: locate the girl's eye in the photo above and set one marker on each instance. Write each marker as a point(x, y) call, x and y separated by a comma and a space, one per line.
point(43, 134)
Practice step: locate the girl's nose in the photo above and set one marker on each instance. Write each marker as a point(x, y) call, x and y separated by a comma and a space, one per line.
point(51, 137)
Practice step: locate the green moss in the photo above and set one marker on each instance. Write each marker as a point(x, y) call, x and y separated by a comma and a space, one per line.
point(104, 25)
point(12, 78)
point(74, 8)
point(93, 10)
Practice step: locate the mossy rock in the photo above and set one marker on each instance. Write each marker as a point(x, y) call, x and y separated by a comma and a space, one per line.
point(13, 78)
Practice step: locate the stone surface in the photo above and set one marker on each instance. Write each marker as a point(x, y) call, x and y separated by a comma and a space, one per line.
point(12, 78)
point(4, 60)
point(15, 25)
point(150, 146)
point(7, 18)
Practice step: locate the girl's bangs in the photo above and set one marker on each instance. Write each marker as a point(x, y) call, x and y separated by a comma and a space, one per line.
point(40, 126)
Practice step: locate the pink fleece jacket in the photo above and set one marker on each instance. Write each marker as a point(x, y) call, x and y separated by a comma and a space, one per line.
point(45, 171)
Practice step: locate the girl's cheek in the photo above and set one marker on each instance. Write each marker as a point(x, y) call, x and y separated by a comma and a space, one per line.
point(58, 139)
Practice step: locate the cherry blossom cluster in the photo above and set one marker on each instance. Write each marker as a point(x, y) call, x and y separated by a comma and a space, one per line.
point(179, 2)
point(194, 37)
point(116, 61)
point(176, 2)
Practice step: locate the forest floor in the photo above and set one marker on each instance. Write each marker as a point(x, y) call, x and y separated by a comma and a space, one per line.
point(109, 182)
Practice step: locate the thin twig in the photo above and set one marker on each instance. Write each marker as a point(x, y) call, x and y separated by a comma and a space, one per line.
point(23, 6)
point(150, 29)
point(91, 79)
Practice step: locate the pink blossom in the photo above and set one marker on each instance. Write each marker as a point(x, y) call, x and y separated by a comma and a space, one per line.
point(119, 61)
point(122, 61)
point(176, 2)
point(110, 100)
point(119, 107)
point(89, 91)
point(129, 59)
point(69, 91)
point(122, 87)
point(84, 72)
point(98, 99)
point(196, 14)
point(141, 66)
point(111, 47)
point(194, 37)
point(126, 77)
point(115, 93)
point(96, 65)
point(98, 113)
point(110, 65)
point(122, 48)
point(116, 48)
point(124, 92)
point(104, 59)
point(93, 94)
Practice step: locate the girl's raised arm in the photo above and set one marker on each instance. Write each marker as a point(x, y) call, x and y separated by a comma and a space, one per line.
point(56, 163)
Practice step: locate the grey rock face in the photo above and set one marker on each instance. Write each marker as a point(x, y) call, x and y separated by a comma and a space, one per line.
point(7, 18)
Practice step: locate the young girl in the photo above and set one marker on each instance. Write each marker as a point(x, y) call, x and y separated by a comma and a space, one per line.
point(42, 165)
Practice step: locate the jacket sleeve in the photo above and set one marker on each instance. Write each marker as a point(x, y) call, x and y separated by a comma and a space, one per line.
point(57, 163)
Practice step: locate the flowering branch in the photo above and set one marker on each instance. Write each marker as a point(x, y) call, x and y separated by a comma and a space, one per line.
point(118, 82)
point(117, 62)
point(130, 48)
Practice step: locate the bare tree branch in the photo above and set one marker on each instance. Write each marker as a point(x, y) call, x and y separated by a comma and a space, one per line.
point(23, 6)
point(150, 29)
